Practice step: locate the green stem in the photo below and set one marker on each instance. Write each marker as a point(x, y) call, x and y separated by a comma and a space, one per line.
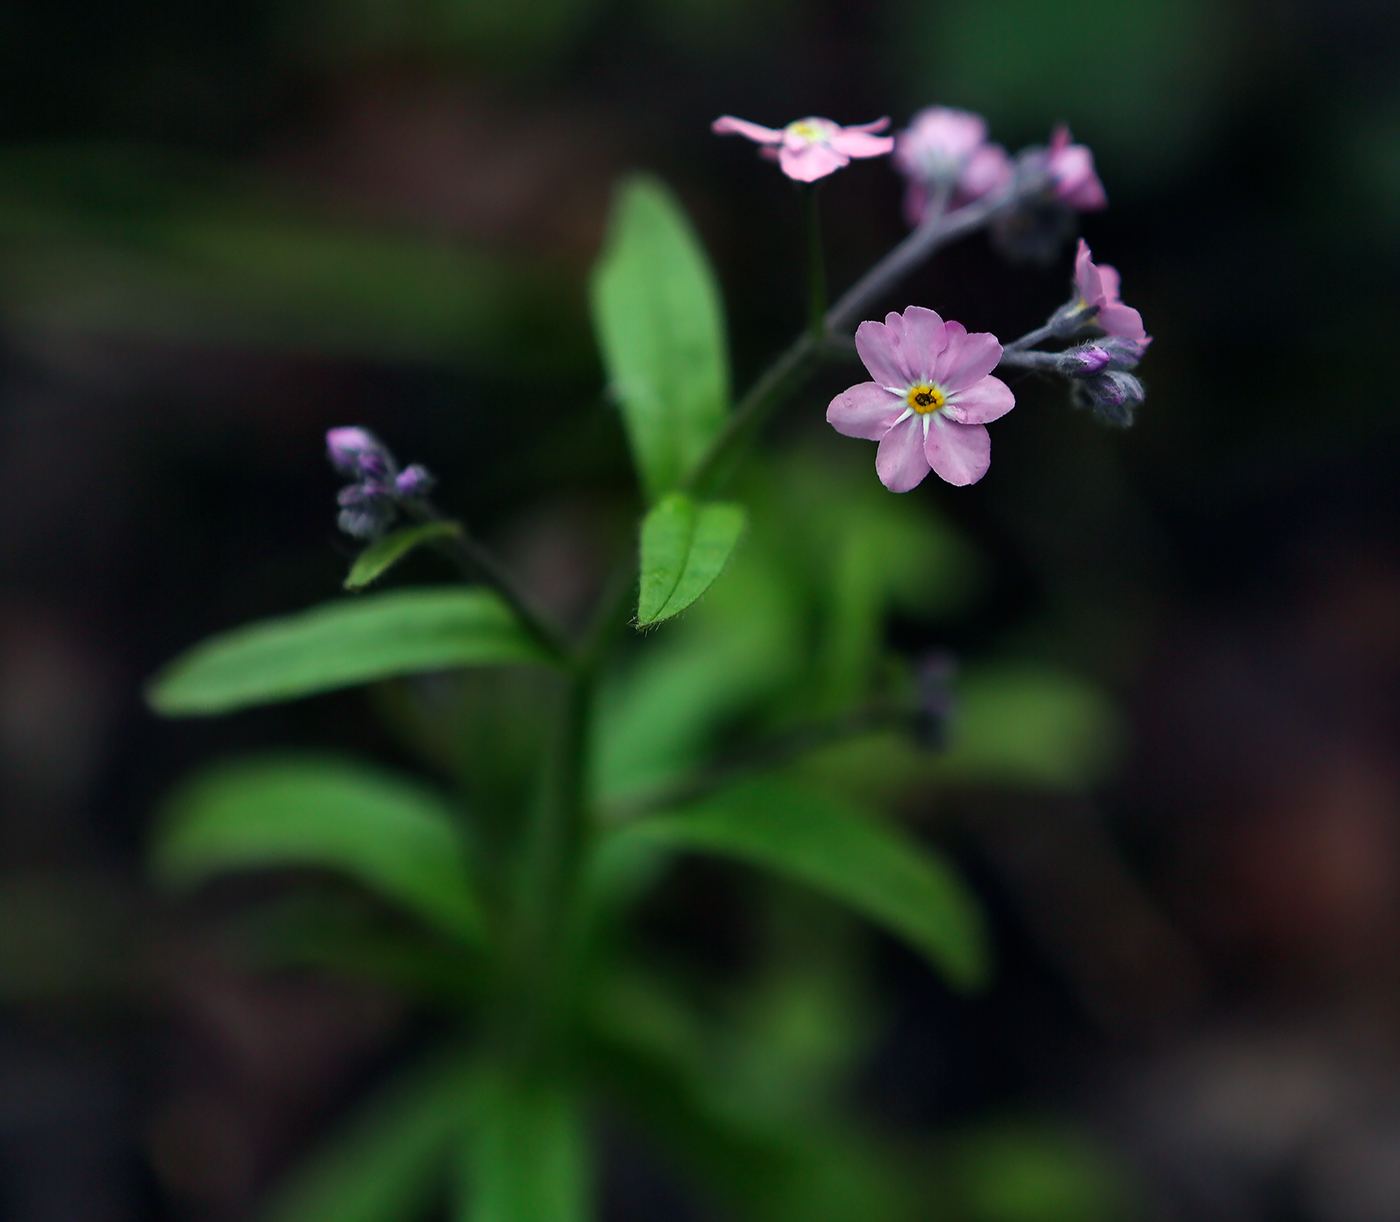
point(816, 264)
point(473, 558)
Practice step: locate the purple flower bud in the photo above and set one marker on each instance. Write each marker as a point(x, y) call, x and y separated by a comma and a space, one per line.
point(357, 452)
point(414, 481)
point(366, 509)
point(1113, 396)
point(1111, 352)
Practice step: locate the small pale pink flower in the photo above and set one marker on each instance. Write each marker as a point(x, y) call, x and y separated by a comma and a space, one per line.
point(1097, 285)
point(811, 148)
point(932, 394)
point(946, 149)
point(1072, 168)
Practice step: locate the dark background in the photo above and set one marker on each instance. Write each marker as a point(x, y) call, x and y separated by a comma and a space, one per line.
point(225, 228)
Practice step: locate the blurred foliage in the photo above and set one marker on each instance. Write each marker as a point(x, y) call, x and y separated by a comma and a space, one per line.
point(1141, 81)
point(146, 242)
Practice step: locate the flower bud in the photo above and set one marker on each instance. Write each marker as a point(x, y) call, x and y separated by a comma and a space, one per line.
point(1113, 396)
point(1097, 356)
point(414, 481)
point(357, 452)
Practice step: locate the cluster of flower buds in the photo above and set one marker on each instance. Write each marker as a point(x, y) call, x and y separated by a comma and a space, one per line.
point(932, 391)
point(369, 505)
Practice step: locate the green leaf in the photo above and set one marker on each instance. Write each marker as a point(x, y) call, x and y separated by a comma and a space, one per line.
point(685, 546)
point(528, 1160)
point(341, 644)
point(391, 1162)
point(381, 555)
point(829, 845)
point(660, 325)
point(395, 837)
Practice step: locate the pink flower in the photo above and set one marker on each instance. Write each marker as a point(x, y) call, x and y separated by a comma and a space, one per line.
point(811, 148)
point(1072, 168)
point(946, 149)
point(933, 391)
point(1097, 285)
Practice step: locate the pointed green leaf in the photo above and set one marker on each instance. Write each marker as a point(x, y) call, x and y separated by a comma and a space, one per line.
point(395, 837)
point(341, 644)
point(381, 555)
point(391, 1163)
point(528, 1158)
point(660, 325)
point(832, 846)
point(685, 546)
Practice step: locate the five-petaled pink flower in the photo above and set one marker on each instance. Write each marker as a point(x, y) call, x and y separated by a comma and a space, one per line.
point(946, 150)
point(933, 391)
point(1097, 285)
point(1072, 168)
point(811, 148)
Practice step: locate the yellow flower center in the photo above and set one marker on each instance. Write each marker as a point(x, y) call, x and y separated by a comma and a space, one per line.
point(803, 130)
point(925, 399)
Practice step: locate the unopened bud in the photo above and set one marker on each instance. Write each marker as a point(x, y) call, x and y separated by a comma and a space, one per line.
point(1112, 352)
point(414, 481)
point(1113, 396)
point(357, 452)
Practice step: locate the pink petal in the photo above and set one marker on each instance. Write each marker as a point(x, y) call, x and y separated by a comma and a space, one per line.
point(1089, 196)
point(960, 453)
point(967, 358)
point(728, 125)
point(983, 401)
point(900, 461)
point(880, 348)
point(867, 410)
point(925, 338)
point(1087, 280)
point(855, 143)
point(875, 125)
point(1118, 319)
point(1111, 281)
point(811, 162)
point(988, 169)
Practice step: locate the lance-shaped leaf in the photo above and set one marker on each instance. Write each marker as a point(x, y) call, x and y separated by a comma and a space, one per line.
point(827, 844)
point(392, 1162)
point(527, 1157)
point(341, 644)
point(684, 548)
point(381, 555)
point(393, 836)
point(660, 325)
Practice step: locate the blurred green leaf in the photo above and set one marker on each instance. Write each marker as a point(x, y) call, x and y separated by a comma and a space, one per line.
point(1026, 724)
point(1034, 1172)
point(660, 325)
point(390, 1163)
point(833, 847)
point(338, 931)
point(389, 834)
point(130, 240)
point(685, 546)
point(528, 1158)
point(657, 719)
point(646, 1055)
point(341, 644)
point(381, 555)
